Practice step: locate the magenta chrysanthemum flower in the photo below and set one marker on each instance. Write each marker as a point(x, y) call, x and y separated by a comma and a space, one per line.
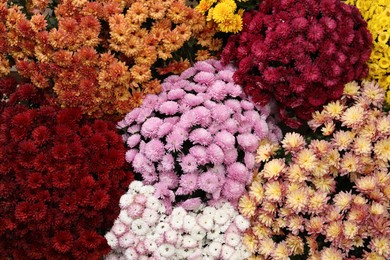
point(299, 53)
point(201, 129)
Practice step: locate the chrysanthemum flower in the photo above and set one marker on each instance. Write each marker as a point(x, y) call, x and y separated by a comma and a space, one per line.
point(293, 142)
point(306, 159)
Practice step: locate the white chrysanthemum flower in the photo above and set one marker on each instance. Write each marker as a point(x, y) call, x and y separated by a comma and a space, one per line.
point(244, 252)
point(232, 239)
point(214, 233)
point(136, 186)
point(225, 226)
point(131, 254)
point(176, 221)
point(214, 249)
point(171, 236)
point(150, 216)
point(150, 245)
point(227, 252)
point(198, 233)
point(112, 240)
point(229, 209)
point(153, 203)
point(179, 211)
point(139, 227)
point(166, 250)
point(125, 201)
point(125, 218)
point(241, 223)
point(209, 211)
point(119, 228)
point(162, 227)
point(147, 190)
point(188, 242)
point(221, 216)
point(205, 222)
point(189, 222)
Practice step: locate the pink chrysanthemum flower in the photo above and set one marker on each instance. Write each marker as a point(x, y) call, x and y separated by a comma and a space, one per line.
point(202, 128)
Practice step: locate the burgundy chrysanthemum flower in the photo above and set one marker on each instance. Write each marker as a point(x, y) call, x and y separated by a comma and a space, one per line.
point(300, 53)
point(61, 176)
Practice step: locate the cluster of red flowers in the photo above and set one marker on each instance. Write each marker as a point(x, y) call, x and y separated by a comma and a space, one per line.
point(60, 178)
point(299, 52)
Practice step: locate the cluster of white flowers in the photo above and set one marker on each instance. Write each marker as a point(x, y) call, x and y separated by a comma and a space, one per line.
point(143, 230)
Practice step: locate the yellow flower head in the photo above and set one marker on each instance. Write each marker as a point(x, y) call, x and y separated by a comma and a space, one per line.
point(295, 244)
point(223, 11)
point(343, 139)
point(265, 151)
point(353, 116)
point(293, 142)
point(382, 149)
point(351, 89)
point(297, 200)
point(334, 109)
point(273, 169)
point(381, 245)
point(331, 254)
point(342, 200)
point(281, 251)
point(273, 191)
point(306, 159)
point(246, 206)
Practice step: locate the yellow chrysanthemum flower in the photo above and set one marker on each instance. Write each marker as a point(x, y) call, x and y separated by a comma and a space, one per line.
point(293, 142)
point(382, 149)
point(381, 245)
point(331, 254)
point(281, 252)
point(342, 200)
point(256, 191)
point(306, 159)
point(351, 89)
point(222, 12)
point(266, 247)
point(232, 24)
point(353, 116)
point(350, 229)
point(295, 244)
point(246, 206)
point(273, 191)
point(297, 199)
point(265, 151)
point(273, 169)
point(334, 109)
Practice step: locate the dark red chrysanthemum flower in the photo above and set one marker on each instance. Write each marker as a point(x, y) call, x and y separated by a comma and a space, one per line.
point(61, 178)
point(300, 53)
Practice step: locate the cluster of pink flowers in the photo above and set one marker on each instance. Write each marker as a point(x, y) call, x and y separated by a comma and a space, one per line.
point(331, 195)
point(198, 137)
point(143, 229)
point(299, 52)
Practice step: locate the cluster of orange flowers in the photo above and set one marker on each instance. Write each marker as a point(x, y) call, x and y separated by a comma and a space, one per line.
point(329, 195)
point(103, 56)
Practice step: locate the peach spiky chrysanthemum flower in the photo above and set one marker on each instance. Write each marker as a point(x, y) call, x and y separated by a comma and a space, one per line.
point(246, 206)
point(342, 200)
point(293, 142)
point(297, 200)
point(331, 253)
point(265, 150)
point(334, 109)
point(353, 116)
point(273, 191)
point(382, 149)
point(306, 159)
point(273, 169)
point(351, 89)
